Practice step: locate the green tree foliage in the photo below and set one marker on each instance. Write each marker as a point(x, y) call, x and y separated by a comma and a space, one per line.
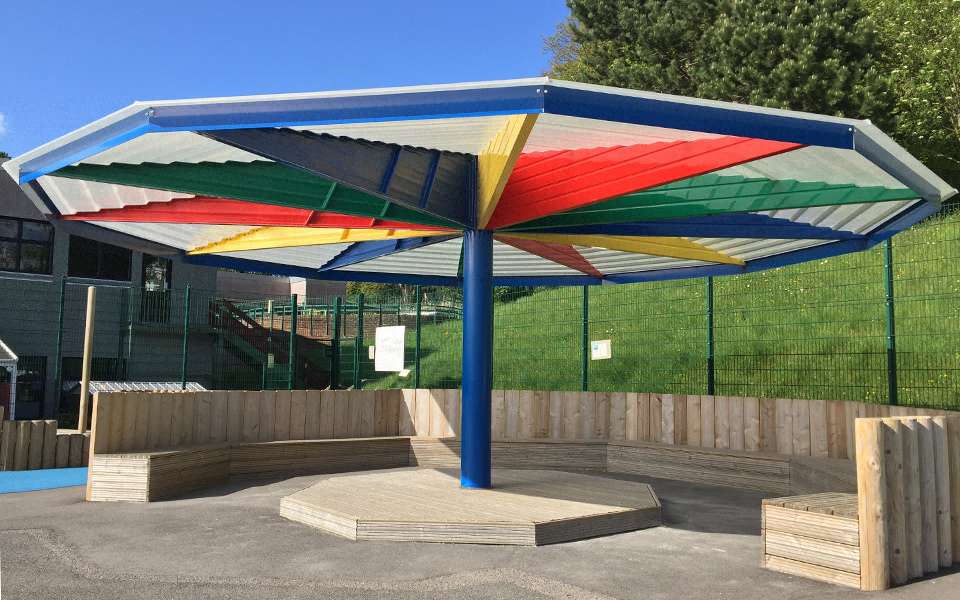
point(815, 55)
point(922, 41)
point(819, 56)
point(4, 155)
point(375, 292)
point(652, 44)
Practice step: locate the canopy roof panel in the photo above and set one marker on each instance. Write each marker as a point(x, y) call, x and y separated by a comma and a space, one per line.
point(581, 184)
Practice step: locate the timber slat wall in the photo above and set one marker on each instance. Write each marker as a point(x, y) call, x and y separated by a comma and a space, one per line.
point(136, 421)
point(817, 428)
point(26, 445)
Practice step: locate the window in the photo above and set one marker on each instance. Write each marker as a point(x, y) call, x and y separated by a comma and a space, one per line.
point(31, 386)
point(155, 297)
point(98, 260)
point(157, 273)
point(25, 245)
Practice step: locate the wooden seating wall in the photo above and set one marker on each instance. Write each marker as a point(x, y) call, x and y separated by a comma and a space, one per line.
point(150, 447)
point(902, 523)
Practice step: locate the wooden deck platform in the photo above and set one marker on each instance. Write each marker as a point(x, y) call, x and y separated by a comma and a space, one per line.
point(525, 507)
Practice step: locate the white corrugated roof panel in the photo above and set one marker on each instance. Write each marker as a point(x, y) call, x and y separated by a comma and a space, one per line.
point(513, 262)
point(312, 257)
point(178, 235)
point(441, 258)
point(76, 195)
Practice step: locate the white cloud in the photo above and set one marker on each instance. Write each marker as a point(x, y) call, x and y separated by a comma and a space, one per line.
point(3, 123)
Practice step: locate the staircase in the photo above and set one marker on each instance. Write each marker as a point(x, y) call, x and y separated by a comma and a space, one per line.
point(252, 343)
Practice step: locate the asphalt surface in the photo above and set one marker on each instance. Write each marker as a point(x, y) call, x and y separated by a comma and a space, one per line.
point(230, 543)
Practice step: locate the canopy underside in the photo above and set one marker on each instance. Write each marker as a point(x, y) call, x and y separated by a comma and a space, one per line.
point(580, 184)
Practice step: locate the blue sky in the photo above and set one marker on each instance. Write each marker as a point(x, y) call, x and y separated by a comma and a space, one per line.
point(68, 63)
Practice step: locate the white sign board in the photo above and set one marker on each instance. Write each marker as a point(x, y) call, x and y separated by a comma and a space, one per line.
point(599, 349)
point(389, 348)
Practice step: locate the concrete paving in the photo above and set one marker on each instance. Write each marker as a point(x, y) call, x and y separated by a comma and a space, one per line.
point(231, 543)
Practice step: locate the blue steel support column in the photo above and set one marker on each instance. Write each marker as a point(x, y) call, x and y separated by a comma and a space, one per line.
point(477, 358)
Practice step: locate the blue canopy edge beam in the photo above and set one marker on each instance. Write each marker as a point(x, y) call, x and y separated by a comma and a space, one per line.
point(353, 108)
point(269, 268)
point(148, 117)
point(663, 111)
point(425, 180)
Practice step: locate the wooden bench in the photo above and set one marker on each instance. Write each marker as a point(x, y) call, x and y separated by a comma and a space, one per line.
point(159, 474)
point(167, 473)
point(563, 455)
point(815, 536)
point(902, 522)
point(156, 475)
point(314, 457)
point(728, 468)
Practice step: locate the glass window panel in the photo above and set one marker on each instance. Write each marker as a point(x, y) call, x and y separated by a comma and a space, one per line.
point(83, 258)
point(8, 228)
point(114, 262)
point(36, 232)
point(34, 258)
point(8, 256)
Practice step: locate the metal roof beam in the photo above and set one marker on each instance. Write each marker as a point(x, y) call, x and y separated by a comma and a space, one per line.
point(430, 181)
point(364, 251)
point(744, 225)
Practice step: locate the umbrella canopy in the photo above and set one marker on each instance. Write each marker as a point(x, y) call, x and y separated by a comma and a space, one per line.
point(524, 182)
point(580, 184)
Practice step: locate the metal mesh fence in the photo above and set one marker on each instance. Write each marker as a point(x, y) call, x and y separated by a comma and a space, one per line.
point(815, 330)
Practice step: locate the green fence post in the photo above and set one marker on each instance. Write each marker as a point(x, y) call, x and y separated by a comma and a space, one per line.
point(186, 337)
point(358, 344)
point(58, 365)
point(270, 329)
point(711, 373)
point(585, 341)
point(335, 346)
point(292, 350)
point(891, 323)
point(416, 351)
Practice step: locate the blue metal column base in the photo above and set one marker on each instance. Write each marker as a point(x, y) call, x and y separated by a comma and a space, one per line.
point(477, 359)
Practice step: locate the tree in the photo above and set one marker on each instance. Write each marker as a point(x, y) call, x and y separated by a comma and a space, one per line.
point(922, 41)
point(814, 55)
point(820, 56)
point(4, 155)
point(645, 44)
point(375, 292)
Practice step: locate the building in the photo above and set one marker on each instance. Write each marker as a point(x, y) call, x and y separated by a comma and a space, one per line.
point(45, 268)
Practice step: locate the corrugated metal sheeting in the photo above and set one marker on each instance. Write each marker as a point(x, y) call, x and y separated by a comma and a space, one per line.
point(379, 183)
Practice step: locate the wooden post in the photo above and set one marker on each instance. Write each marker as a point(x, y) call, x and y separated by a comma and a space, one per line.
point(928, 495)
point(942, 471)
point(896, 513)
point(87, 358)
point(872, 505)
point(953, 461)
point(911, 472)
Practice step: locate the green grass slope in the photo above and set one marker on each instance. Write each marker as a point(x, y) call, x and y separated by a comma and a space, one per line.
point(815, 330)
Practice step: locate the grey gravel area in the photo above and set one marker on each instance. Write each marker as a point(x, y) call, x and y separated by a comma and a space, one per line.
point(230, 543)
